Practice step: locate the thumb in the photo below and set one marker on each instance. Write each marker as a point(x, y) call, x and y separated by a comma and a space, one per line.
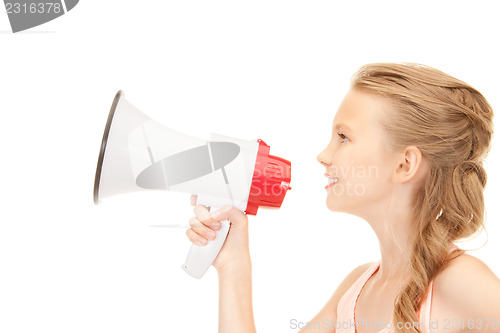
point(231, 213)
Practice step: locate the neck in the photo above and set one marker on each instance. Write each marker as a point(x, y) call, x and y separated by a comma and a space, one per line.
point(395, 257)
point(394, 235)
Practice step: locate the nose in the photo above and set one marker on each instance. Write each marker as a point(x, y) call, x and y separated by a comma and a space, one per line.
point(323, 158)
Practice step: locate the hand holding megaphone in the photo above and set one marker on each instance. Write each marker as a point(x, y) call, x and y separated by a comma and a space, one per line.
point(207, 222)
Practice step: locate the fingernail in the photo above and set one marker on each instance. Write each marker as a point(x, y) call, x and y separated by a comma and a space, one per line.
point(215, 226)
point(211, 235)
point(202, 241)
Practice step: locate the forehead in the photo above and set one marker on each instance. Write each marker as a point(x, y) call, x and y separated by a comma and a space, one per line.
point(359, 111)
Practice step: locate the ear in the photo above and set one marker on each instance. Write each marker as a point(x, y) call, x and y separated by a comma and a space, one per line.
point(409, 165)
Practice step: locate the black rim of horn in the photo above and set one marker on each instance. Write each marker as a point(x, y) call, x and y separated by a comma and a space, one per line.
point(103, 146)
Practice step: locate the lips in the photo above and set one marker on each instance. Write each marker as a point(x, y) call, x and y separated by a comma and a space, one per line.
point(331, 181)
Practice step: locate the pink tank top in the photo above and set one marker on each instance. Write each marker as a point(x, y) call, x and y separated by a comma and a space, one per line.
point(346, 322)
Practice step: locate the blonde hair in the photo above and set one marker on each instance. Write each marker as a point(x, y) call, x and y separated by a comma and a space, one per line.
point(452, 125)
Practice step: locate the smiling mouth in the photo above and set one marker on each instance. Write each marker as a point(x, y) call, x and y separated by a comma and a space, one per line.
point(331, 181)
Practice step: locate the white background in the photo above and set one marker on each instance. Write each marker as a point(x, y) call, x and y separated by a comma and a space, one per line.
point(275, 70)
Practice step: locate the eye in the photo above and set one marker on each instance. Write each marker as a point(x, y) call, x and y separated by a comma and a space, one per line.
point(343, 137)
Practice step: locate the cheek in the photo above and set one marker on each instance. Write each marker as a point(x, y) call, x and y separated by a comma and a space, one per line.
point(373, 178)
point(365, 178)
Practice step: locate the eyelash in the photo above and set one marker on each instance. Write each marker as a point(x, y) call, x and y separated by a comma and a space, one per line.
point(342, 136)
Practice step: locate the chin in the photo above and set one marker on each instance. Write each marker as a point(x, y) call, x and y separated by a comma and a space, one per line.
point(338, 205)
point(334, 206)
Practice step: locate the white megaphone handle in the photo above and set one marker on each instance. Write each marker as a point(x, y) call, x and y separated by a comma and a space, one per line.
point(200, 258)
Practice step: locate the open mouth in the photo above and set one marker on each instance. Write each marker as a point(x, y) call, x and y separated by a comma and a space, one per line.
point(331, 181)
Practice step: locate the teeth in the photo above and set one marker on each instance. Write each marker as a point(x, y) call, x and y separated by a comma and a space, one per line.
point(332, 180)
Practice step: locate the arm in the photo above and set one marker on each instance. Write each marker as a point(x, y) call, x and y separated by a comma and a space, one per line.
point(233, 266)
point(235, 299)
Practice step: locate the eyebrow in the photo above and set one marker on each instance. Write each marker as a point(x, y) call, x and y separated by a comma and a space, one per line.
point(338, 126)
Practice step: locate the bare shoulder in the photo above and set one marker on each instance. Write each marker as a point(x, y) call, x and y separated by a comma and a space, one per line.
point(468, 288)
point(353, 276)
point(329, 311)
point(349, 281)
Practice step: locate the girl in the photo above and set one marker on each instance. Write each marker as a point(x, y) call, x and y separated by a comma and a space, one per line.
point(416, 138)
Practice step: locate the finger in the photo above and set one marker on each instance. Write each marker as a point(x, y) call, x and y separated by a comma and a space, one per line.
point(203, 214)
point(195, 238)
point(200, 229)
point(194, 197)
point(229, 213)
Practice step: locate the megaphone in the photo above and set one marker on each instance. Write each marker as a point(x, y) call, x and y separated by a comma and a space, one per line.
point(140, 154)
